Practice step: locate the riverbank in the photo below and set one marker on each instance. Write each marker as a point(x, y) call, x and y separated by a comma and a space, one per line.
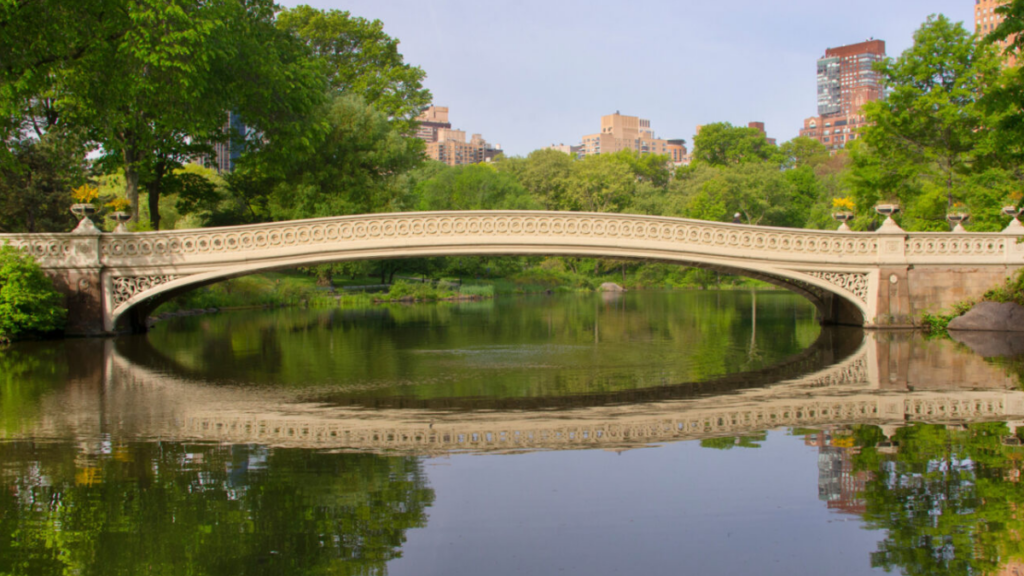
point(297, 288)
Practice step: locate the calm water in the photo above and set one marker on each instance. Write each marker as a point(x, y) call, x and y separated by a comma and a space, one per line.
point(647, 433)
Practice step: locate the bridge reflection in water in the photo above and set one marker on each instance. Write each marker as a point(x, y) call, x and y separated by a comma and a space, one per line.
point(124, 390)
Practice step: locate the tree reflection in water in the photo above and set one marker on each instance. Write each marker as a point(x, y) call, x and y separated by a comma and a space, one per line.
point(947, 497)
point(172, 508)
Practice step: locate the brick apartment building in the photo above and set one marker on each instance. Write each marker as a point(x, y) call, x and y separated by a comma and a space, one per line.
point(986, 20)
point(846, 81)
point(620, 132)
point(447, 145)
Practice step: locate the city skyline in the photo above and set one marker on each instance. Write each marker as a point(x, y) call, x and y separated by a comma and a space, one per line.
point(542, 72)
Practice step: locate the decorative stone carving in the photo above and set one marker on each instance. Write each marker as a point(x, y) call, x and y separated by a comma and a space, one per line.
point(347, 229)
point(946, 245)
point(126, 287)
point(47, 250)
point(853, 282)
point(855, 372)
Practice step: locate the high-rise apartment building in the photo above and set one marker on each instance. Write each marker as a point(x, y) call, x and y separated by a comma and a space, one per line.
point(986, 20)
point(431, 120)
point(227, 151)
point(449, 146)
point(620, 132)
point(846, 81)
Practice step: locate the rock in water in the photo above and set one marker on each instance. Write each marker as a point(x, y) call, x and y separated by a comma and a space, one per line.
point(993, 316)
point(611, 287)
point(991, 344)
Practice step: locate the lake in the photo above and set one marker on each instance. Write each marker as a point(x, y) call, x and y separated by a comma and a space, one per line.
point(716, 432)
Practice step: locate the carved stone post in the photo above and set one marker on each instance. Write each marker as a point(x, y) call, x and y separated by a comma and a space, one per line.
point(893, 307)
point(79, 279)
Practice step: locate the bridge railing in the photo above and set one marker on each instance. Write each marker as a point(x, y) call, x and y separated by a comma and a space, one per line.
point(528, 228)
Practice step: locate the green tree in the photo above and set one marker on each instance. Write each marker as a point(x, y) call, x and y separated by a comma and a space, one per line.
point(600, 183)
point(28, 301)
point(155, 85)
point(1006, 101)
point(207, 510)
point(760, 192)
point(359, 58)
point(722, 144)
point(473, 187)
point(930, 133)
point(35, 183)
point(355, 158)
point(545, 174)
point(804, 151)
point(946, 499)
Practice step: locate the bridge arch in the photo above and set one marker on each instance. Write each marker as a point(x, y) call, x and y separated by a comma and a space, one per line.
point(142, 294)
point(877, 279)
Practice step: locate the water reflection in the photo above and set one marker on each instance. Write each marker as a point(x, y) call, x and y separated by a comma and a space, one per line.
point(517, 349)
point(129, 456)
point(112, 507)
point(847, 377)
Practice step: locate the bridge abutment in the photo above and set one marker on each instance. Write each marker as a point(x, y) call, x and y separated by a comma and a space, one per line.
point(79, 277)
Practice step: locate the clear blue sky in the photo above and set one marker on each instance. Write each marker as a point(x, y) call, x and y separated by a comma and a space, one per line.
point(530, 73)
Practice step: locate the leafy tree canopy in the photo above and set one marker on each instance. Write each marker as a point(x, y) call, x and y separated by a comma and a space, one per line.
point(722, 144)
point(359, 58)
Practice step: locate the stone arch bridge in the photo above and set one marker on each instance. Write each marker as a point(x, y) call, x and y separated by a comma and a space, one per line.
point(880, 279)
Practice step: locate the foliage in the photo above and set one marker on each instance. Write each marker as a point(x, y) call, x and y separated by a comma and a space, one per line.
point(947, 499)
point(416, 291)
point(937, 322)
point(197, 509)
point(151, 83)
point(804, 151)
point(600, 183)
point(353, 167)
point(269, 290)
point(477, 290)
point(932, 134)
point(85, 193)
point(843, 204)
point(35, 180)
point(545, 175)
point(360, 59)
point(472, 187)
point(28, 302)
point(1010, 291)
point(730, 442)
point(722, 144)
point(759, 191)
point(118, 204)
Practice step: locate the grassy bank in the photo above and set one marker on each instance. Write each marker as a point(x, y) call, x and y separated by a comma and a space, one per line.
point(293, 288)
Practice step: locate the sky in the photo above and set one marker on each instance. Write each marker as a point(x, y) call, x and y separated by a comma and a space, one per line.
point(531, 73)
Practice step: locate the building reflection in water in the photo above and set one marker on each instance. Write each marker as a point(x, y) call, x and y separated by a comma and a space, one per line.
point(919, 438)
point(839, 485)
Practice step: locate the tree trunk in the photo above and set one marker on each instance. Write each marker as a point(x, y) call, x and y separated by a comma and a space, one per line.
point(131, 178)
point(154, 188)
point(324, 277)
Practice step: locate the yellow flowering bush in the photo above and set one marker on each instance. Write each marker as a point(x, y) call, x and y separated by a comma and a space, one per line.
point(843, 204)
point(119, 204)
point(85, 194)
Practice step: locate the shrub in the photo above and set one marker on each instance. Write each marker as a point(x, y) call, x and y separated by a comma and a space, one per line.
point(481, 290)
point(28, 302)
point(403, 290)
